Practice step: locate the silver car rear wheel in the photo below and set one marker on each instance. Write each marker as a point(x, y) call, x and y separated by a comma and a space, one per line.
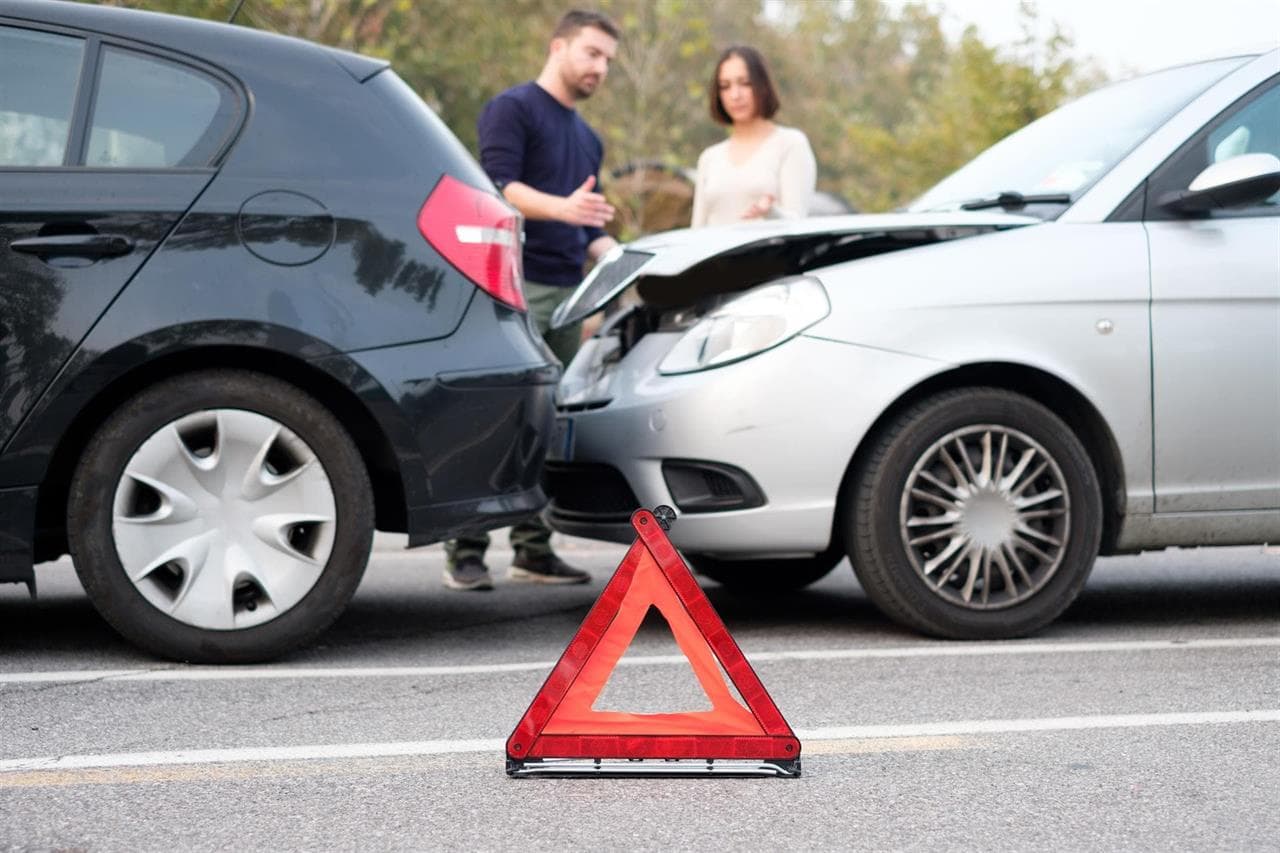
point(224, 519)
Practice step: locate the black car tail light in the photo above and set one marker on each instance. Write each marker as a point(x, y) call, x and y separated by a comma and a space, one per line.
point(710, 486)
point(477, 233)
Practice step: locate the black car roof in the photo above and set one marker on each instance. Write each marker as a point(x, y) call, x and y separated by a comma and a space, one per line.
point(235, 47)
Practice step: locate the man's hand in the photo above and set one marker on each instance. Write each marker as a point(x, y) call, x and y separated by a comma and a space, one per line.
point(585, 207)
point(582, 207)
point(600, 246)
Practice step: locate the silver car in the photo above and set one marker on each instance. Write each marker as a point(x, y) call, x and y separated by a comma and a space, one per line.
point(1070, 346)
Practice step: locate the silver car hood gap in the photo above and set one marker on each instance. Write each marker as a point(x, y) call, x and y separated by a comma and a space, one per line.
point(679, 267)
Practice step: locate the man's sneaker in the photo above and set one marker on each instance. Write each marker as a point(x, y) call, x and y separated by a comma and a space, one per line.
point(467, 573)
point(548, 569)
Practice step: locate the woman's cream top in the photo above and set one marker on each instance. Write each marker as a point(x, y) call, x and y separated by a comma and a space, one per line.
point(782, 166)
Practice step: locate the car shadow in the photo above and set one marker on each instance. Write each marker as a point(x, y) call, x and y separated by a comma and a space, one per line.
point(404, 615)
point(1199, 599)
point(62, 630)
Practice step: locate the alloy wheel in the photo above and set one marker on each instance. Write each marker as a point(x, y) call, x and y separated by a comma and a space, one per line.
point(985, 516)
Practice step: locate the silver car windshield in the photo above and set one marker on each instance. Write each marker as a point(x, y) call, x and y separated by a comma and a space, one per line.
point(1063, 153)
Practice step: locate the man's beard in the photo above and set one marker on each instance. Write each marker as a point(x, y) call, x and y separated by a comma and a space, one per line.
point(577, 88)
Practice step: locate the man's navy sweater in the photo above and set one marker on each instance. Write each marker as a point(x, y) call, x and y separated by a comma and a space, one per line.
point(526, 135)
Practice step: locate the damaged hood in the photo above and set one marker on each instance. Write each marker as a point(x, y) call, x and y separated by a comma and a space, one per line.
point(750, 253)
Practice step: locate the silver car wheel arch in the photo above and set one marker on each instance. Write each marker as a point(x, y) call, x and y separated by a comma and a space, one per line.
point(224, 519)
point(985, 517)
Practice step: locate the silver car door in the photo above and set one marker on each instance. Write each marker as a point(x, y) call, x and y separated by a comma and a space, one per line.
point(1215, 323)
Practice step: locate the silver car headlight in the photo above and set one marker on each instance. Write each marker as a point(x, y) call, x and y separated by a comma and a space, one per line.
point(749, 324)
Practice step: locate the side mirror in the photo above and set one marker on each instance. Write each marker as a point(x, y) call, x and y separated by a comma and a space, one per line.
point(1242, 180)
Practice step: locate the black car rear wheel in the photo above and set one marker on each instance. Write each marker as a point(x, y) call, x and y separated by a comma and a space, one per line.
point(222, 516)
point(976, 515)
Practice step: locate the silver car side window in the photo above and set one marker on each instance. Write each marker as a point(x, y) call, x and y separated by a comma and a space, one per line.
point(1251, 125)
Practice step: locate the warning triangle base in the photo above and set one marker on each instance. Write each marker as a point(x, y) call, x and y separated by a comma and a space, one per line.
point(652, 767)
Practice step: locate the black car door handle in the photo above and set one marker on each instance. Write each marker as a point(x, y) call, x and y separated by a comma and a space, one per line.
point(75, 245)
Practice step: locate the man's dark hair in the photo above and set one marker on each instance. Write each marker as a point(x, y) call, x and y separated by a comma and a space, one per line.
point(761, 84)
point(576, 19)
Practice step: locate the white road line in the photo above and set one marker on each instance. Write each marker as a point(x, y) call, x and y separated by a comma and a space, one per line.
point(234, 673)
point(1043, 724)
point(446, 747)
point(923, 650)
point(270, 753)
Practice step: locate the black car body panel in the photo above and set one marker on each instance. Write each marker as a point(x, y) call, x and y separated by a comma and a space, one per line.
point(52, 301)
point(294, 251)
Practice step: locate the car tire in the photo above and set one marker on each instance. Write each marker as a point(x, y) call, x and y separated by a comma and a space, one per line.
point(976, 514)
point(765, 577)
point(220, 516)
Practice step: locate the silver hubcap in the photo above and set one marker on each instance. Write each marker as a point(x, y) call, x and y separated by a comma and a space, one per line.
point(985, 517)
point(224, 519)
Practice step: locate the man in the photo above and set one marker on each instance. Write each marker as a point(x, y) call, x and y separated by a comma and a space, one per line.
point(545, 159)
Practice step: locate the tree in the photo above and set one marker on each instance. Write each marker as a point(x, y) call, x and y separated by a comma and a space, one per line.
point(889, 104)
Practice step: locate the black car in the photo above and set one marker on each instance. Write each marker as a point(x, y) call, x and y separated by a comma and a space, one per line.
point(255, 301)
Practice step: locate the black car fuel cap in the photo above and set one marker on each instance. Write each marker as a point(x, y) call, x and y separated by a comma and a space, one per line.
point(285, 228)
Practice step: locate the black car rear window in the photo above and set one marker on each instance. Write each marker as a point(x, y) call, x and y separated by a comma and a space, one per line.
point(152, 113)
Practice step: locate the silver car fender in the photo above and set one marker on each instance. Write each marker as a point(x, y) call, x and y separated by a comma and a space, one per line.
point(1071, 301)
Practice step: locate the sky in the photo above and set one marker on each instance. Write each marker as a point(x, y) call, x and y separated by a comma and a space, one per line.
point(1129, 36)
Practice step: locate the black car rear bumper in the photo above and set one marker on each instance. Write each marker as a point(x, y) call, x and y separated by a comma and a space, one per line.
point(435, 522)
point(17, 519)
point(470, 441)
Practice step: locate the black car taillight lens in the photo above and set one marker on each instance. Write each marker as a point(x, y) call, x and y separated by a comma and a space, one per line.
point(478, 234)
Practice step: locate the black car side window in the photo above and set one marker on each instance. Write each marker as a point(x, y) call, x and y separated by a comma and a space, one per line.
point(39, 74)
point(1249, 126)
point(151, 113)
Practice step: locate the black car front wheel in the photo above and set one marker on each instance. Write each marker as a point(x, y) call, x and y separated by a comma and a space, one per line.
point(222, 516)
point(976, 514)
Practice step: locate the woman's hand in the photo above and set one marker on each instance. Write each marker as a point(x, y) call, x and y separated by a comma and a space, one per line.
point(760, 208)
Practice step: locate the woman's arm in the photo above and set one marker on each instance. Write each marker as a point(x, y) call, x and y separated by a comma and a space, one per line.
point(700, 193)
point(797, 177)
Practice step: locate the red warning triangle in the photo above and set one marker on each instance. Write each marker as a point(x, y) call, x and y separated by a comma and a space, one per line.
point(560, 722)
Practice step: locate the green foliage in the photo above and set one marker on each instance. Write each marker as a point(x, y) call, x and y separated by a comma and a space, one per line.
point(889, 104)
point(895, 108)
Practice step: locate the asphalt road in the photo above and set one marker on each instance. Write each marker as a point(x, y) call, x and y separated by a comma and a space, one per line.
point(1147, 718)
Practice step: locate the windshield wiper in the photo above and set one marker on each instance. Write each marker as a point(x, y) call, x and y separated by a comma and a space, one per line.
point(1013, 200)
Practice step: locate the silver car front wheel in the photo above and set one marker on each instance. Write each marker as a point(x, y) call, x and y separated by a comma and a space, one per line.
point(973, 514)
point(985, 517)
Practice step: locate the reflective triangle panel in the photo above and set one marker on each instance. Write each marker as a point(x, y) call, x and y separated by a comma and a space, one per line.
point(560, 722)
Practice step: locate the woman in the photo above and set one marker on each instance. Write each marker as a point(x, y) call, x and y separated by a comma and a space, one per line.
point(762, 169)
